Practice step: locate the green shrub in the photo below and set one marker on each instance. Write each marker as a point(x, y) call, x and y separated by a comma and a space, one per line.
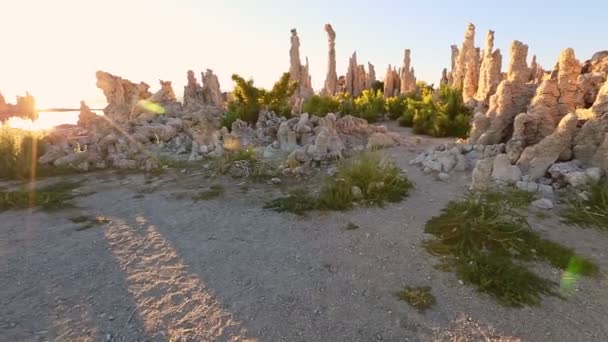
point(395, 106)
point(347, 103)
point(443, 116)
point(592, 212)
point(249, 100)
point(485, 240)
point(369, 105)
point(321, 105)
point(377, 179)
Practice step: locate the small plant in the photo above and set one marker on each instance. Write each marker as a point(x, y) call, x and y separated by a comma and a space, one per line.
point(214, 191)
point(419, 297)
point(298, 202)
point(486, 241)
point(53, 197)
point(377, 180)
point(591, 212)
point(352, 226)
point(369, 105)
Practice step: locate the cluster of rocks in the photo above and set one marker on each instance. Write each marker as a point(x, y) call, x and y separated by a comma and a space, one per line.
point(400, 81)
point(25, 107)
point(139, 129)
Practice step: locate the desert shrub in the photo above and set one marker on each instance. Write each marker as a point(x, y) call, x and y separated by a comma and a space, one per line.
point(320, 105)
point(369, 105)
point(440, 115)
point(56, 196)
point(591, 212)
point(248, 100)
point(19, 152)
point(377, 179)
point(486, 241)
point(346, 102)
point(395, 106)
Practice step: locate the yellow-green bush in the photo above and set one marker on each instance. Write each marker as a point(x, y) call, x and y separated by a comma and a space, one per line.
point(369, 105)
point(443, 115)
point(320, 105)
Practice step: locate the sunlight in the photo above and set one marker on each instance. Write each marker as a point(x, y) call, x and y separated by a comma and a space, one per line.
point(45, 121)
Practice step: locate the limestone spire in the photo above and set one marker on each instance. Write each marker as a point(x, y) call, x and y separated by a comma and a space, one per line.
point(331, 79)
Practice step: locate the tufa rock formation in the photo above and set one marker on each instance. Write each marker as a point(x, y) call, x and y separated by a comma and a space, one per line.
point(122, 95)
point(331, 80)
point(466, 58)
point(298, 72)
point(391, 82)
point(25, 107)
point(209, 94)
point(407, 78)
point(489, 74)
point(370, 78)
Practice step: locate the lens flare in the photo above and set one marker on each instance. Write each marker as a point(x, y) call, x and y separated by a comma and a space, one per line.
point(151, 107)
point(570, 276)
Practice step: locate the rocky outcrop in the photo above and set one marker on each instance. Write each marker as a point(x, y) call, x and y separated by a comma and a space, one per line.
point(193, 93)
point(211, 89)
point(298, 72)
point(331, 79)
point(121, 95)
point(591, 135)
point(25, 107)
point(407, 78)
point(490, 71)
point(536, 160)
point(511, 98)
point(86, 117)
point(355, 77)
point(444, 78)
point(370, 77)
point(569, 70)
point(391, 82)
point(467, 62)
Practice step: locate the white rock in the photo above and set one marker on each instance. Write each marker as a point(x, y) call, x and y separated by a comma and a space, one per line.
point(504, 171)
point(443, 177)
point(543, 203)
point(276, 181)
point(482, 174)
point(527, 186)
point(546, 190)
point(594, 174)
point(577, 179)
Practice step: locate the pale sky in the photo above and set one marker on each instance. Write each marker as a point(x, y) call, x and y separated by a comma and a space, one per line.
point(53, 48)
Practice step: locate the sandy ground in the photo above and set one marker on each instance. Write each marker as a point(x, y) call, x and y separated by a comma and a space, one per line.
point(226, 269)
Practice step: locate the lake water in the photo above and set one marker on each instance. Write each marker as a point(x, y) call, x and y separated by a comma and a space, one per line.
point(47, 120)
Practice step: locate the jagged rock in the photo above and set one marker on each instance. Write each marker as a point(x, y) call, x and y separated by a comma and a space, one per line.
point(407, 78)
point(444, 77)
point(164, 95)
point(122, 95)
point(212, 94)
point(331, 80)
point(489, 74)
point(482, 174)
point(511, 98)
point(536, 159)
point(370, 77)
point(297, 71)
point(600, 159)
point(86, 117)
point(391, 82)
point(193, 93)
point(503, 170)
point(570, 94)
point(355, 77)
point(592, 134)
point(466, 68)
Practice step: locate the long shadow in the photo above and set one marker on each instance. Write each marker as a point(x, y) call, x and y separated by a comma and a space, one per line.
point(172, 303)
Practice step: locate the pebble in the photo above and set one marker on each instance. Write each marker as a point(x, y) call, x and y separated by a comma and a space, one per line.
point(276, 181)
point(543, 203)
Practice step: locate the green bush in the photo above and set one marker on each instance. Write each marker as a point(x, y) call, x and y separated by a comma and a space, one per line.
point(378, 180)
point(249, 100)
point(369, 105)
point(486, 240)
point(444, 116)
point(320, 105)
point(395, 106)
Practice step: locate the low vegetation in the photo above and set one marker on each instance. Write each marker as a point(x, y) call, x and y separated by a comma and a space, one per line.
point(248, 100)
point(419, 297)
point(591, 212)
point(52, 197)
point(487, 242)
point(368, 179)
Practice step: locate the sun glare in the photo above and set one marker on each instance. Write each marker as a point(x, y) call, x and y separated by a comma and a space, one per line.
point(45, 121)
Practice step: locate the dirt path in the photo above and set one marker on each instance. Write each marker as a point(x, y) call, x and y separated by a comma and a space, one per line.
point(226, 269)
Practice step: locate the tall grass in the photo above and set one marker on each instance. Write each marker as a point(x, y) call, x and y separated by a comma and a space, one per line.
point(591, 212)
point(19, 152)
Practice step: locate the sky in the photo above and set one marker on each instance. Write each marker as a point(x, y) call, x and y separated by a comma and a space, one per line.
point(53, 48)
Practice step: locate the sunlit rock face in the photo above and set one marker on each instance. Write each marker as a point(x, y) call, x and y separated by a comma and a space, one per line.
point(490, 70)
point(298, 72)
point(407, 77)
point(392, 82)
point(331, 79)
point(121, 95)
point(466, 65)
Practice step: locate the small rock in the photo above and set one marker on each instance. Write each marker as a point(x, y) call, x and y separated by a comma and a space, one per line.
point(356, 191)
point(594, 174)
point(543, 203)
point(546, 190)
point(443, 176)
point(528, 186)
point(276, 181)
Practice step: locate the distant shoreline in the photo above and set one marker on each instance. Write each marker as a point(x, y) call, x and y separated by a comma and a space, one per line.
point(63, 110)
